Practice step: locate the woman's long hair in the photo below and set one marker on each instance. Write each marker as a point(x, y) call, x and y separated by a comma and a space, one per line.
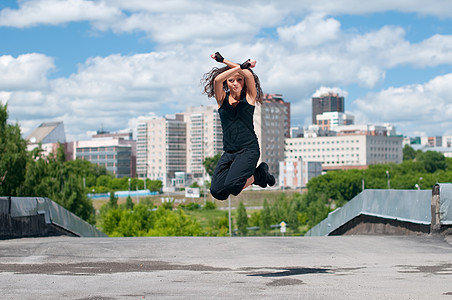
point(208, 83)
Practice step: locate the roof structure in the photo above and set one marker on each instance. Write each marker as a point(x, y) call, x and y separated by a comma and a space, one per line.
point(50, 132)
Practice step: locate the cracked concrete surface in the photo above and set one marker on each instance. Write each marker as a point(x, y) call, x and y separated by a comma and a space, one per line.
point(343, 267)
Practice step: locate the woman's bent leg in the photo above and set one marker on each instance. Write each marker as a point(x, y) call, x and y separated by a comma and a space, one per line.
point(241, 171)
point(217, 188)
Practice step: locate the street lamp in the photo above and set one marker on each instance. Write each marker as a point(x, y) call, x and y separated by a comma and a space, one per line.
point(417, 186)
point(129, 186)
point(389, 184)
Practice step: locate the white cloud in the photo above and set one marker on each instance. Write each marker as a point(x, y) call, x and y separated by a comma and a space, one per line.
point(312, 31)
point(407, 107)
point(26, 71)
point(323, 90)
point(54, 12)
point(111, 90)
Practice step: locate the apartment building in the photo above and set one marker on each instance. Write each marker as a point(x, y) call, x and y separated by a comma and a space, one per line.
point(161, 148)
point(271, 124)
point(328, 102)
point(204, 138)
point(346, 150)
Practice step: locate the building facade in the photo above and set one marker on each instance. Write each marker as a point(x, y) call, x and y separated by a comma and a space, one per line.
point(346, 151)
point(204, 138)
point(328, 120)
point(270, 125)
point(47, 133)
point(296, 173)
point(161, 148)
point(329, 102)
point(115, 155)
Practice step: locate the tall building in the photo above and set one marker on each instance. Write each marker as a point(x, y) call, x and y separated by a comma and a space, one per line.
point(271, 125)
point(278, 98)
point(204, 138)
point(161, 148)
point(328, 102)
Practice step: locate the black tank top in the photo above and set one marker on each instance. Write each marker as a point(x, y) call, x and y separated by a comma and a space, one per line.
point(237, 125)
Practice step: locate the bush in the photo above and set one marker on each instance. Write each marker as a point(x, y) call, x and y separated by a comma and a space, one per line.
point(210, 205)
point(191, 206)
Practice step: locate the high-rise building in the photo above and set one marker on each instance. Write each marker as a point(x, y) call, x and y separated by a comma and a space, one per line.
point(204, 138)
point(271, 125)
point(328, 102)
point(161, 148)
point(278, 98)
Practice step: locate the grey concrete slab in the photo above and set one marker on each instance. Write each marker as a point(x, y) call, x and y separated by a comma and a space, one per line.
point(344, 267)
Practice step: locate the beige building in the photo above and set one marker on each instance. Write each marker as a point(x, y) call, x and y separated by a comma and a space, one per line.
point(161, 148)
point(204, 138)
point(346, 150)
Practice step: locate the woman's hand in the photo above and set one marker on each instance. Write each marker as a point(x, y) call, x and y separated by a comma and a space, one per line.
point(253, 63)
point(217, 56)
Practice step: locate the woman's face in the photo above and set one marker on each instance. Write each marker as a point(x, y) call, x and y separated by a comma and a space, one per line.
point(236, 83)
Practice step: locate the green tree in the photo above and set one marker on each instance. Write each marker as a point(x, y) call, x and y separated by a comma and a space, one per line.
point(13, 156)
point(255, 218)
point(432, 161)
point(210, 163)
point(169, 223)
point(129, 203)
point(113, 202)
point(53, 177)
point(408, 153)
point(242, 219)
point(154, 185)
point(266, 219)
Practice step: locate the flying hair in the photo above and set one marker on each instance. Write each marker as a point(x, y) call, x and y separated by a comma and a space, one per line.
point(208, 79)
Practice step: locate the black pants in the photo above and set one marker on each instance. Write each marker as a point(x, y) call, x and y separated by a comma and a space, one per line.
point(232, 171)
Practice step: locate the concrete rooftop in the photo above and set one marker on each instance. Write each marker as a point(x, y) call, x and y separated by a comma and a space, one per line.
point(339, 267)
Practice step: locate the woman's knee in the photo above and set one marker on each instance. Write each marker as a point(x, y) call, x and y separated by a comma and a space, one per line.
point(219, 194)
point(234, 187)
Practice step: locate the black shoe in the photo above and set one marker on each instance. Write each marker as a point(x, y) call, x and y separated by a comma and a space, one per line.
point(260, 175)
point(270, 179)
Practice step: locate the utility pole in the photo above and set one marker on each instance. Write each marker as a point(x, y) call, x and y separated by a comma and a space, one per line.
point(389, 183)
point(230, 221)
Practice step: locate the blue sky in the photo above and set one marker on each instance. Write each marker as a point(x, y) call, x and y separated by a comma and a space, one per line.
point(108, 63)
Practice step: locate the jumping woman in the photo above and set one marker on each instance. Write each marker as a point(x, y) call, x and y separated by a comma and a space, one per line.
point(236, 89)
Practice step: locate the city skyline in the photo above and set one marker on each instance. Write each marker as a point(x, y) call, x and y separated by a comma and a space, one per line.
point(94, 64)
